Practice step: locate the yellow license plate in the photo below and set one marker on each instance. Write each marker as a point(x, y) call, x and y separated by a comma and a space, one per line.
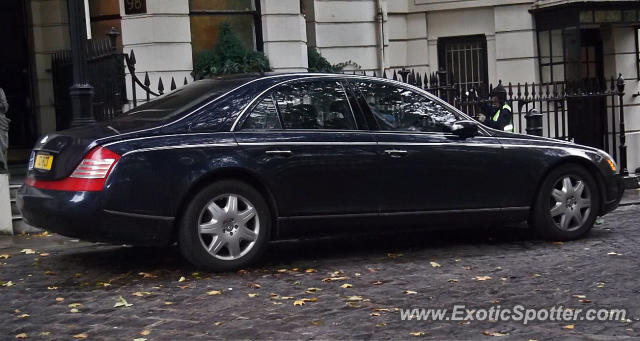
point(43, 161)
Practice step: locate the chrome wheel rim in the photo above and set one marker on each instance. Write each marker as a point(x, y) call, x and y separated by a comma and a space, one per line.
point(570, 203)
point(228, 226)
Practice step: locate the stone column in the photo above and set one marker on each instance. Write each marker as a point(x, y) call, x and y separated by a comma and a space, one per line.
point(284, 35)
point(161, 40)
point(6, 223)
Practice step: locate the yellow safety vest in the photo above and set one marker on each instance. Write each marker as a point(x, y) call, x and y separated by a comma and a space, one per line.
point(508, 127)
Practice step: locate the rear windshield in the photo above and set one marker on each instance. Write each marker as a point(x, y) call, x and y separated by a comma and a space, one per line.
point(176, 102)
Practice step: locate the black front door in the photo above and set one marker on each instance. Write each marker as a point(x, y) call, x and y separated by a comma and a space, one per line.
point(14, 76)
point(587, 115)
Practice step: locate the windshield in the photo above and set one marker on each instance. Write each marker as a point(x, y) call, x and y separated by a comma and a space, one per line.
point(177, 101)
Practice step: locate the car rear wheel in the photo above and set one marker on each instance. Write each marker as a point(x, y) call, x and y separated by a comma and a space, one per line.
point(567, 204)
point(225, 226)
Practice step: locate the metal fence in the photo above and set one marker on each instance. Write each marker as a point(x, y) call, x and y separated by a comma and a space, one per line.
point(105, 74)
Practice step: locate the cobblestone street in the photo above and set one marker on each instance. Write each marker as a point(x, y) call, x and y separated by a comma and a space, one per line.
point(54, 288)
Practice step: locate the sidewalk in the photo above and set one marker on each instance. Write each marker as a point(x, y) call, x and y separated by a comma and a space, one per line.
point(631, 197)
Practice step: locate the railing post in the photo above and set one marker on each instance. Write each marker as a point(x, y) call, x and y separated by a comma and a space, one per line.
point(620, 84)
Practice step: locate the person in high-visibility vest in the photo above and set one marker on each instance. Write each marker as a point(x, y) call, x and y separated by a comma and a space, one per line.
point(498, 115)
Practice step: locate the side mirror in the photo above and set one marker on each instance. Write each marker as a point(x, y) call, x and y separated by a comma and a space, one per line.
point(465, 128)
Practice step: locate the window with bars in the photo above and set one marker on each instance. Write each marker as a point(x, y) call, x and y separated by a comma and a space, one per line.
point(465, 60)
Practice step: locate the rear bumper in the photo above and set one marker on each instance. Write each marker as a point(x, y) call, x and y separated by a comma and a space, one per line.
point(81, 215)
point(614, 187)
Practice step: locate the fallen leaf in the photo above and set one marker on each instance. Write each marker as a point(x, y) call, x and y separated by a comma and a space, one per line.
point(252, 294)
point(59, 299)
point(122, 303)
point(282, 270)
point(5, 256)
point(569, 326)
point(50, 273)
point(353, 304)
point(254, 285)
point(103, 284)
point(298, 303)
point(147, 275)
point(354, 298)
point(181, 279)
point(410, 292)
point(416, 333)
point(374, 314)
point(27, 251)
point(346, 286)
point(312, 299)
point(381, 309)
point(536, 275)
point(312, 290)
point(317, 323)
point(297, 283)
point(81, 336)
point(145, 332)
point(579, 296)
point(140, 339)
point(600, 285)
point(452, 280)
point(52, 288)
point(310, 270)
point(75, 305)
point(482, 278)
point(44, 333)
point(381, 324)
point(371, 269)
point(585, 301)
point(218, 323)
point(44, 254)
point(74, 310)
point(377, 283)
point(8, 284)
point(333, 279)
point(214, 292)
point(490, 333)
point(22, 336)
point(434, 264)
point(141, 293)
point(23, 316)
point(613, 253)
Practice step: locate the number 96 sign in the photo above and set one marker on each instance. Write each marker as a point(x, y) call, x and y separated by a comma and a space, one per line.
point(135, 6)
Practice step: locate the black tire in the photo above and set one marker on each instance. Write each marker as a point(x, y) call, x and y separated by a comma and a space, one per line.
point(549, 227)
point(192, 245)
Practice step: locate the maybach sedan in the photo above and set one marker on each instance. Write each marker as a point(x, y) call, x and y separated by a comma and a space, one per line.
point(223, 166)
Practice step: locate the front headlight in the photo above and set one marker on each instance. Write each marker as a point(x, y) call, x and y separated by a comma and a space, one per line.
point(609, 160)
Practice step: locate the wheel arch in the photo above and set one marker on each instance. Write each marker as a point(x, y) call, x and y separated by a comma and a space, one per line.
point(238, 174)
point(587, 165)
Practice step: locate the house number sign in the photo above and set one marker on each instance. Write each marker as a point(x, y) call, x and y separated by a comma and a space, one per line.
point(135, 6)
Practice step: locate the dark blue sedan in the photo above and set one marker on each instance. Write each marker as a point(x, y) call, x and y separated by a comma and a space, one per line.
point(222, 166)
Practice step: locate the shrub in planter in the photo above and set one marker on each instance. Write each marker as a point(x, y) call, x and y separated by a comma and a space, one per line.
point(229, 56)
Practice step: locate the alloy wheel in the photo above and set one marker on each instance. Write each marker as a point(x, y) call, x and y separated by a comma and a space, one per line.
point(570, 203)
point(228, 226)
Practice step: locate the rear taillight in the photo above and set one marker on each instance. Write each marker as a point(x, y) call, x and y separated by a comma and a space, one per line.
point(89, 175)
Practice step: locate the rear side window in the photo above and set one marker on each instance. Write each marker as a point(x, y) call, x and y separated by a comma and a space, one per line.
point(264, 116)
point(315, 105)
point(401, 109)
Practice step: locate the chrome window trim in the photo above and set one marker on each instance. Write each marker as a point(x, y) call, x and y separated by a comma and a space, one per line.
point(182, 146)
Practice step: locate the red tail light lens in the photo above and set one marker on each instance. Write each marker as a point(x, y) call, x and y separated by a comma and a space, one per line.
point(89, 175)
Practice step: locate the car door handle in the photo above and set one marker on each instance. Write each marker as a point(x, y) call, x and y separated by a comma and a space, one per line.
point(279, 152)
point(396, 152)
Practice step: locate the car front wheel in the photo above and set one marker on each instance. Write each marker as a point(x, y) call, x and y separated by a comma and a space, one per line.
point(225, 226)
point(567, 204)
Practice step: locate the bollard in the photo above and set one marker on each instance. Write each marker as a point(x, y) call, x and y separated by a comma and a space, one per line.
point(534, 122)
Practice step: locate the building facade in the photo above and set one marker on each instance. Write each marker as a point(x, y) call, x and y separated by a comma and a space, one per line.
point(478, 42)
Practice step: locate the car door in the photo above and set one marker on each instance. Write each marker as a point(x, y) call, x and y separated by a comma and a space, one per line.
point(424, 167)
point(306, 141)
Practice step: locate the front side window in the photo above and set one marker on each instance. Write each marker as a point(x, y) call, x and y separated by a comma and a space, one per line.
point(400, 109)
point(315, 105)
point(264, 116)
